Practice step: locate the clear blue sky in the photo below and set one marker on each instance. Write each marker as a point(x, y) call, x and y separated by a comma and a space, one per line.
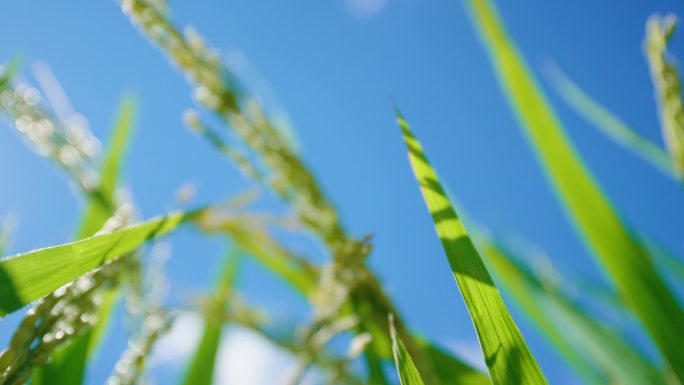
point(335, 70)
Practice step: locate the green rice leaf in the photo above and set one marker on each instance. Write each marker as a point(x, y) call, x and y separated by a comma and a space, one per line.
point(67, 366)
point(408, 373)
point(594, 349)
point(508, 358)
point(27, 277)
point(624, 258)
point(201, 369)
point(608, 123)
point(101, 203)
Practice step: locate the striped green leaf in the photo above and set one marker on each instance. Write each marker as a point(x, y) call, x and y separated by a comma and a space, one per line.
point(508, 358)
point(624, 258)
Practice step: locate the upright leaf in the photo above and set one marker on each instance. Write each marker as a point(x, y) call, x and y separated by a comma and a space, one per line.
point(609, 124)
point(101, 203)
point(508, 358)
point(627, 262)
point(201, 369)
point(408, 373)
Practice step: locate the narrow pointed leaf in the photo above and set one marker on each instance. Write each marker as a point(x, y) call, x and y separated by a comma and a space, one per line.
point(27, 277)
point(508, 358)
point(609, 124)
point(201, 370)
point(408, 373)
point(626, 261)
point(101, 204)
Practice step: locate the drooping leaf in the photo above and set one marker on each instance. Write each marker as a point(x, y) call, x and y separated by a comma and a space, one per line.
point(508, 358)
point(201, 369)
point(594, 349)
point(68, 363)
point(608, 123)
point(27, 277)
point(626, 261)
point(408, 373)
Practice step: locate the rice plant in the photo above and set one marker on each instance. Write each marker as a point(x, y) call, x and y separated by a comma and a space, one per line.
point(354, 332)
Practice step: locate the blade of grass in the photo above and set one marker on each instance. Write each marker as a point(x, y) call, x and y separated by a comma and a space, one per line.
point(408, 373)
point(608, 123)
point(201, 369)
point(68, 364)
point(627, 262)
point(508, 358)
point(27, 277)
point(97, 213)
point(596, 352)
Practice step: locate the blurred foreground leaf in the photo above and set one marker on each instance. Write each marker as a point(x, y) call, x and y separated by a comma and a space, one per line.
point(595, 350)
point(625, 259)
point(609, 124)
point(27, 277)
point(201, 369)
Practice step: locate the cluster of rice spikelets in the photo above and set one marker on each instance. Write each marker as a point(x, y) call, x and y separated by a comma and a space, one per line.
point(659, 31)
point(72, 309)
point(267, 154)
point(70, 144)
point(63, 314)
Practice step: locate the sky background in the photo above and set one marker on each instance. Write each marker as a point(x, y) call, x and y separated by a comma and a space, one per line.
point(335, 65)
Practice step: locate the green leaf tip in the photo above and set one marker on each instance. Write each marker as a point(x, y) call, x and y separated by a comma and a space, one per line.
point(27, 277)
point(408, 373)
point(508, 358)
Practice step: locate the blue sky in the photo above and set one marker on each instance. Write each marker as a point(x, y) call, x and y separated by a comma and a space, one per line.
point(335, 65)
